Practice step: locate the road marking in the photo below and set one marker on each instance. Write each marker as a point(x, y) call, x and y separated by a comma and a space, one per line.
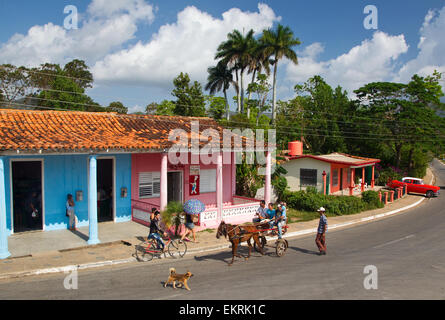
point(394, 241)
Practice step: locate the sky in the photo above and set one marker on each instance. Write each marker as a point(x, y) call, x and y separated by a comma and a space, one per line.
point(135, 48)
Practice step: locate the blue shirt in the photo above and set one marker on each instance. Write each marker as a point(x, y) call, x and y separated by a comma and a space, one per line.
point(271, 213)
point(322, 224)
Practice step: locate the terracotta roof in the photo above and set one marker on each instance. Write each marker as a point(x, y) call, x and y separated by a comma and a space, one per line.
point(63, 131)
point(339, 158)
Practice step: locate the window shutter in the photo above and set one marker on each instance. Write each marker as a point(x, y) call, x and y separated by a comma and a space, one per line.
point(149, 184)
point(207, 181)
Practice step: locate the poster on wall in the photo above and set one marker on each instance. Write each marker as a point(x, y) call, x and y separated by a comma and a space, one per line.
point(194, 185)
point(194, 180)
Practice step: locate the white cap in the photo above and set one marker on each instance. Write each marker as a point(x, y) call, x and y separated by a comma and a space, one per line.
point(321, 209)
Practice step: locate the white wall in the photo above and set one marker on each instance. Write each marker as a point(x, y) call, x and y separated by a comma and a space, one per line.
point(293, 172)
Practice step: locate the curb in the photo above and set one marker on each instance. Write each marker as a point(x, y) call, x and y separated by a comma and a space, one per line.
point(122, 261)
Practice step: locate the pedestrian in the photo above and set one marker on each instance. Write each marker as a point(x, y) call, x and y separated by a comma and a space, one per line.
point(320, 240)
point(261, 212)
point(189, 228)
point(72, 224)
point(281, 219)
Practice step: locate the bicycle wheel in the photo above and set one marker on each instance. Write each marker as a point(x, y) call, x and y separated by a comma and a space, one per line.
point(176, 249)
point(145, 251)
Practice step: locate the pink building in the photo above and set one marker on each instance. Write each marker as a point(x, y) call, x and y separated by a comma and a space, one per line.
point(156, 181)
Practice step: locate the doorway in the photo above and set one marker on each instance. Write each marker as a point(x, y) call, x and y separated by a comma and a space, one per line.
point(27, 195)
point(105, 190)
point(174, 186)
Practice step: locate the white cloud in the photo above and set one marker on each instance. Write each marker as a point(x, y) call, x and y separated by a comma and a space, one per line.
point(373, 60)
point(431, 48)
point(106, 26)
point(188, 45)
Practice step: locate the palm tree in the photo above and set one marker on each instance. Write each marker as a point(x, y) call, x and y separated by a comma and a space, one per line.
point(278, 44)
point(220, 78)
point(236, 53)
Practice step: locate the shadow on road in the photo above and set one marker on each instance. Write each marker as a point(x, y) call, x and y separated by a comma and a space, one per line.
point(226, 256)
point(304, 250)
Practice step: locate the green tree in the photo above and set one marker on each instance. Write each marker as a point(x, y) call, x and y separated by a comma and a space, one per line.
point(407, 113)
point(14, 84)
point(277, 44)
point(79, 71)
point(237, 53)
point(217, 107)
point(165, 108)
point(189, 97)
point(261, 88)
point(220, 78)
point(117, 106)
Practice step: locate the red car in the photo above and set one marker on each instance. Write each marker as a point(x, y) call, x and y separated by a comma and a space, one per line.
point(416, 185)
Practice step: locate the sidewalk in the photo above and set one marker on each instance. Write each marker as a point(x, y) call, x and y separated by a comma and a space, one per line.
point(56, 251)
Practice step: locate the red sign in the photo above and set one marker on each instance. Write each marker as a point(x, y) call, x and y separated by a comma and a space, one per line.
point(194, 185)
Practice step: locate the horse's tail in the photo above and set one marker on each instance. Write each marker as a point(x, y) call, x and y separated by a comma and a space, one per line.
point(172, 271)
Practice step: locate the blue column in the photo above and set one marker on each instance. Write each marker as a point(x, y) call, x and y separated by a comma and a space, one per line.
point(92, 201)
point(4, 253)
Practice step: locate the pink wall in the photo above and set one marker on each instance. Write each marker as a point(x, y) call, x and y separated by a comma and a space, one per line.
point(147, 162)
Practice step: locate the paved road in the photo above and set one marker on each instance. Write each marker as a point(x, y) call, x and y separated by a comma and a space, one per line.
point(407, 250)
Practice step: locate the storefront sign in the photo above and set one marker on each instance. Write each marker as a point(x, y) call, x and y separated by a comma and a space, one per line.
point(194, 185)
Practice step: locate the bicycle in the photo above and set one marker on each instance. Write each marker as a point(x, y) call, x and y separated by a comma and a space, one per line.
point(147, 249)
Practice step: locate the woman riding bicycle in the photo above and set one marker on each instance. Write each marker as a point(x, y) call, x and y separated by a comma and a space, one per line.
point(155, 229)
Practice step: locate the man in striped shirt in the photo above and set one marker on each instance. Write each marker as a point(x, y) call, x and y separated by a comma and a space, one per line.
point(320, 240)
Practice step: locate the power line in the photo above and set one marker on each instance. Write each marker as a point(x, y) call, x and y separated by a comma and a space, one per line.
point(238, 127)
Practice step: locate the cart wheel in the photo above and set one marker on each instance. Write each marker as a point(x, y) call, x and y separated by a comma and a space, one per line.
point(263, 243)
point(281, 247)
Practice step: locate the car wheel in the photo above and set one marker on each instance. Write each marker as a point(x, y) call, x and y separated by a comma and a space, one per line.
point(429, 194)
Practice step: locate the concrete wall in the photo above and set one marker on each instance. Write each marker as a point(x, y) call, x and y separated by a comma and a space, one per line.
point(63, 174)
point(293, 172)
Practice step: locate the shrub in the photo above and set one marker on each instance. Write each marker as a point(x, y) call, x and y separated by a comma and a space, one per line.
point(372, 199)
point(337, 205)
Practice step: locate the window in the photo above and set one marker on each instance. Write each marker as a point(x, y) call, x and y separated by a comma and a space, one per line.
point(207, 181)
point(308, 177)
point(335, 177)
point(149, 184)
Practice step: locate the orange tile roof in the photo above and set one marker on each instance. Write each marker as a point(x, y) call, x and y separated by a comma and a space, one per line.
point(63, 131)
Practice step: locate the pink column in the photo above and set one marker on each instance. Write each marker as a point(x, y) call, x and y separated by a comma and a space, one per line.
point(233, 174)
point(373, 180)
point(268, 184)
point(219, 186)
point(324, 181)
point(363, 179)
point(164, 160)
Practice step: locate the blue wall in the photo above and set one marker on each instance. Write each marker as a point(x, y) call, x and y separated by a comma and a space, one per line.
point(65, 174)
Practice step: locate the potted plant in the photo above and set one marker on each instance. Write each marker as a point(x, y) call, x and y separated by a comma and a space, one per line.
point(173, 215)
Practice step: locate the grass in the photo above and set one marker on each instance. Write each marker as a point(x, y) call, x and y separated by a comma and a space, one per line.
point(207, 230)
point(301, 216)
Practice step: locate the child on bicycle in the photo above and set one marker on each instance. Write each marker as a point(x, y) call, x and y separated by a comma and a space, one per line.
point(155, 229)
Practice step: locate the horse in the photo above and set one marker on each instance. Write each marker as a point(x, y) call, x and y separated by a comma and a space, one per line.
point(237, 234)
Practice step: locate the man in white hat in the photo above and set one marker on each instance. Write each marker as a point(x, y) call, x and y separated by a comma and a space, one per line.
point(320, 240)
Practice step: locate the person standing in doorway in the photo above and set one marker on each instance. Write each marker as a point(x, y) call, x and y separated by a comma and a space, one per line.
point(320, 240)
point(72, 224)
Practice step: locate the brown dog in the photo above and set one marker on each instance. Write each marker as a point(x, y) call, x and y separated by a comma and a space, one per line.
point(181, 278)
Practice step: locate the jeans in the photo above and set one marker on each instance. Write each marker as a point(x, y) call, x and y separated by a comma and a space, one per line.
point(280, 225)
point(158, 239)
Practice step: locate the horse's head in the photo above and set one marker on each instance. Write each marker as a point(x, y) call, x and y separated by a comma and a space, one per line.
point(222, 230)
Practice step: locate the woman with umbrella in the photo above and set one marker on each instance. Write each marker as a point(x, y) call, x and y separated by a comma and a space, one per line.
point(191, 207)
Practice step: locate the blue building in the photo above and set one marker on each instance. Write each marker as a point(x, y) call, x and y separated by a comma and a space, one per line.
point(46, 155)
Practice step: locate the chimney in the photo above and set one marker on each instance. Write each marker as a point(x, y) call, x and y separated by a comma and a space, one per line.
point(296, 148)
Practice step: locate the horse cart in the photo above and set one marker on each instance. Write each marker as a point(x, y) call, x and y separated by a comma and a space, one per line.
point(280, 245)
point(237, 234)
